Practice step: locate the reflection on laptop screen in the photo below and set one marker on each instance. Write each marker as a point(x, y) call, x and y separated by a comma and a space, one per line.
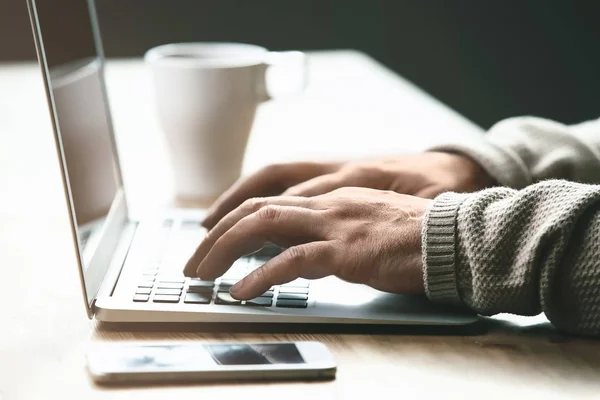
point(82, 117)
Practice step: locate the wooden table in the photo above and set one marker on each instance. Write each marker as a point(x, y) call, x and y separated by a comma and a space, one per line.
point(353, 107)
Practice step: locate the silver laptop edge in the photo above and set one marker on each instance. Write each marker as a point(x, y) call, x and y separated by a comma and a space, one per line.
point(91, 277)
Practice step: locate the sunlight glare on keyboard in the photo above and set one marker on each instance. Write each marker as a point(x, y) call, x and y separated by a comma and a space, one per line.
point(182, 244)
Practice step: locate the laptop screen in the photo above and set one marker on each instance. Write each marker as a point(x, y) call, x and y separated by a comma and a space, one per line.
point(74, 60)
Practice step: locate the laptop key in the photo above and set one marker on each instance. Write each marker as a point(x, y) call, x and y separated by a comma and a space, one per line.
point(260, 302)
point(172, 292)
point(284, 289)
point(172, 280)
point(228, 282)
point(197, 298)
point(225, 298)
point(292, 296)
point(199, 289)
point(141, 298)
point(191, 224)
point(164, 298)
point(143, 290)
point(145, 284)
point(195, 283)
point(170, 285)
point(292, 303)
point(301, 283)
point(268, 293)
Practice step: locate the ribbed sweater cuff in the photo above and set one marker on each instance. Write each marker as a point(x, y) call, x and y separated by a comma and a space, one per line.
point(439, 248)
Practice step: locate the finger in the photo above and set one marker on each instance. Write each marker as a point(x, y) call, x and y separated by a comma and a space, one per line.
point(248, 207)
point(311, 261)
point(280, 225)
point(269, 181)
point(261, 183)
point(319, 185)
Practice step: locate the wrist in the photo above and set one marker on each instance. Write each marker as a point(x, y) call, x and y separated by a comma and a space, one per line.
point(472, 174)
point(480, 178)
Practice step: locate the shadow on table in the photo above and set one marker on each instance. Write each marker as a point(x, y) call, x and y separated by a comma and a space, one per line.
point(513, 327)
point(207, 383)
point(477, 328)
point(485, 325)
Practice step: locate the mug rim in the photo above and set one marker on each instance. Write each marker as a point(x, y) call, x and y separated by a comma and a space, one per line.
point(250, 54)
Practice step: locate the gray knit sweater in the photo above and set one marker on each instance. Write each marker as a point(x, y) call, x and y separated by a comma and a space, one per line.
point(532, 245)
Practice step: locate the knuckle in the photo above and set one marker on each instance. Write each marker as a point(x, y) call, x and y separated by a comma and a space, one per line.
point(273, 170)
point(295, 255)
point(344, 212)
point(293, 191)
point(269, 213)
point(371, 174)
point(359, 171)
point(209, 236)
point(261, 274)
point(253, 204)
point(264, 275)
point(326, 255)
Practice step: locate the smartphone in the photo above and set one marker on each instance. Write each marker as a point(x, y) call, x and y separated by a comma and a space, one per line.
point(130, 362)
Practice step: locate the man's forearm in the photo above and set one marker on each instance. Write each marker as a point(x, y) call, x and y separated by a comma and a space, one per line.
point(520, 151)
point(522, 252)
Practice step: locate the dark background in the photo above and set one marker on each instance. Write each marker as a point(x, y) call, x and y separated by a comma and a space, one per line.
point(487, 59)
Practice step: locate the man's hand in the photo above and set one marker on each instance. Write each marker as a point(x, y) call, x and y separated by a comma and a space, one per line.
point(424, 175)
point(359, 235)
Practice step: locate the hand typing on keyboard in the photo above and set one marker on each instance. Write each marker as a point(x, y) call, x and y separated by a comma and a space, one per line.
point(360, 235)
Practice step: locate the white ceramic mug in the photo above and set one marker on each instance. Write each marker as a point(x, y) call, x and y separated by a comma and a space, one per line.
point(207, 95)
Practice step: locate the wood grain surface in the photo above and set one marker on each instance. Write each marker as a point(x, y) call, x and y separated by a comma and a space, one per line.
point(353, 108)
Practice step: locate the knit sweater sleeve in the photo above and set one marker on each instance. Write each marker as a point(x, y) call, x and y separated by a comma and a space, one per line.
point(518, 251)
point(524, 150)
point(529, 250)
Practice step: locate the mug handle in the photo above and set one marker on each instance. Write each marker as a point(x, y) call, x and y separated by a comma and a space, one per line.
point(276, 60)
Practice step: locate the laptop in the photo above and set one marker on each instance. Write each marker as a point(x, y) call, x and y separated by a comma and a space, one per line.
point(130, 269)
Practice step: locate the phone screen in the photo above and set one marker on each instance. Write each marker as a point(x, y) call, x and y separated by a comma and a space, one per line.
point(192, 357)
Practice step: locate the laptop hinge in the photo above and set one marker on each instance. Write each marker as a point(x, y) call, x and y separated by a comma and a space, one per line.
point(117, 262)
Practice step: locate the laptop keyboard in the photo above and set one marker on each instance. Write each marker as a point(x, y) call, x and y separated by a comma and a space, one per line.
point(159, 286)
